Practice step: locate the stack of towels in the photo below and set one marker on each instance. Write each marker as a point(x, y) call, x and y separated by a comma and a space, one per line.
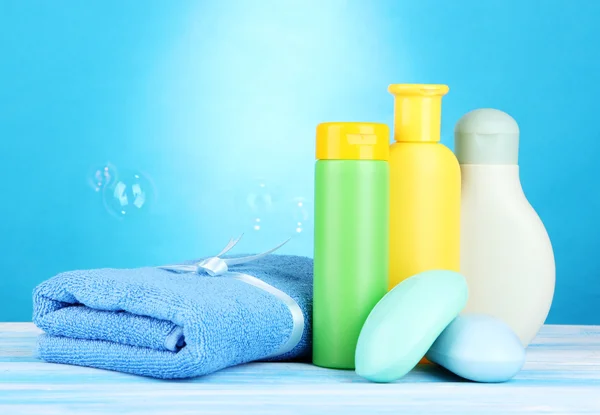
point(159, 323)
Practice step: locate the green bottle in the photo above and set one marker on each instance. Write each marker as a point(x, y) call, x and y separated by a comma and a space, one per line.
point(351, 236)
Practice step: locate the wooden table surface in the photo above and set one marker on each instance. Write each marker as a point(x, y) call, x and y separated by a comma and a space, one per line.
point(561, 376)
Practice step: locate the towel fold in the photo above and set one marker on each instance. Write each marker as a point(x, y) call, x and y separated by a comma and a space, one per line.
point(154, 322)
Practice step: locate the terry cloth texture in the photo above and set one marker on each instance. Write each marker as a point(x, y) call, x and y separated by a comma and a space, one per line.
point(154, 322)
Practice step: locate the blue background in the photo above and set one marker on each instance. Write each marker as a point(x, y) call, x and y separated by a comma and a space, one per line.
point(207, 101)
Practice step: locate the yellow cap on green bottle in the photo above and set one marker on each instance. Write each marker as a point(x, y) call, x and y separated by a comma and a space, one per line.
point(352, 141)
point(417, 111)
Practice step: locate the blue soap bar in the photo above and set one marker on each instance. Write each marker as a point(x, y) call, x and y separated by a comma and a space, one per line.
point(405, 323)
point(479, 347)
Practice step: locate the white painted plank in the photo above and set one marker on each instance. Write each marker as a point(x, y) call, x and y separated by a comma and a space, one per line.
point(561, 376)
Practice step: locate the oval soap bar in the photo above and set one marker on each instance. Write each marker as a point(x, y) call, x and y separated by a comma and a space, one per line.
point(406, 321)
point(479, 347)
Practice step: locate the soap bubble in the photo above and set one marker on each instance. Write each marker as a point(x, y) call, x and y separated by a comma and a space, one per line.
point(131, 194)
point(300, 215)
point(102, 176)
point(258, 205)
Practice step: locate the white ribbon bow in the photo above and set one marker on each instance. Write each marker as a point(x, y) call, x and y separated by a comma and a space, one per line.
point(217, 266)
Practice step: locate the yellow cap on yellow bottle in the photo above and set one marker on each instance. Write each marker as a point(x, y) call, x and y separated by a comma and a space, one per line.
point(352, 141)
point(417, 111)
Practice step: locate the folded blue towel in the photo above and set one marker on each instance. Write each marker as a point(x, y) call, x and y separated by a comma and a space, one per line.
point(154, 322)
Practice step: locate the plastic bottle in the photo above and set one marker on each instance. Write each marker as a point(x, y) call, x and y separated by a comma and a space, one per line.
point(506, 255)
point(424, 187)
point(351, 236)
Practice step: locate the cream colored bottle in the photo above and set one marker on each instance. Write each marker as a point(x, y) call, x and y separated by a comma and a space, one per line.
point(506, 255)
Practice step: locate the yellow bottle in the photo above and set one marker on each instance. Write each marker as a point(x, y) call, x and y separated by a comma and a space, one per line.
point(424, 186)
